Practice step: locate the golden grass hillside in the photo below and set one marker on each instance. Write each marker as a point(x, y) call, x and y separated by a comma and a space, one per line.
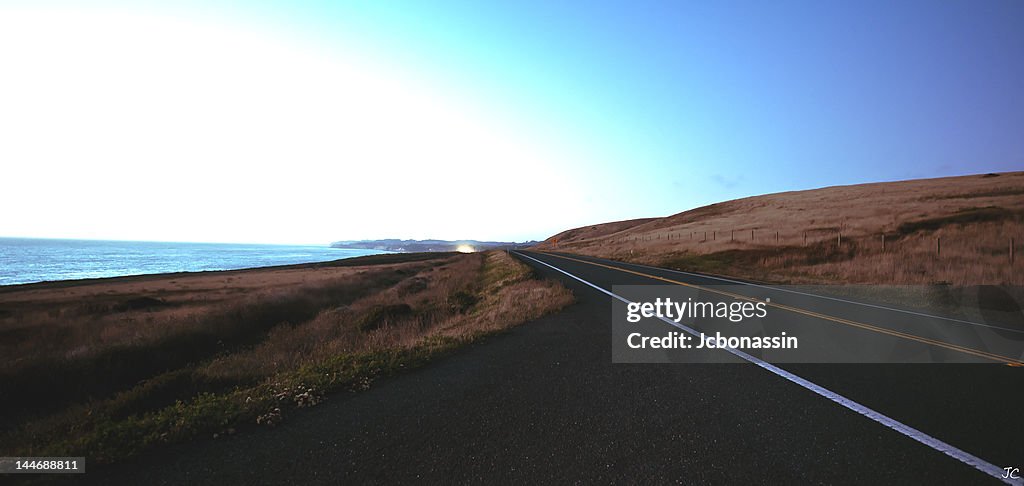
point(112, 367)
point(955, 230)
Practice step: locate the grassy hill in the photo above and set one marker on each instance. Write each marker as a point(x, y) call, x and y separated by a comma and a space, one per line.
point(953, 230)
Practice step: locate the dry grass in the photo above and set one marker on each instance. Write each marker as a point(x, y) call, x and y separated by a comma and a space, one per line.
point(511, 296)
point(157, 360)
point(794, 236)
point(392, 317)
point(101, 338)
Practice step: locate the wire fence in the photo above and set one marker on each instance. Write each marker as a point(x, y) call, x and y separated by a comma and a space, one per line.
point(886, 242)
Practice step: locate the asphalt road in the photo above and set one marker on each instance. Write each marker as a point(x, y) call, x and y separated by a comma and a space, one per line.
point(543, 403)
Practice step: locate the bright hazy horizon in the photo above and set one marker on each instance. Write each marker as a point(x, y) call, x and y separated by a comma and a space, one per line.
point(308, 122)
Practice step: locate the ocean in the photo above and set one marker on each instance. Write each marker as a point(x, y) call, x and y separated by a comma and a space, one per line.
point(26, 260)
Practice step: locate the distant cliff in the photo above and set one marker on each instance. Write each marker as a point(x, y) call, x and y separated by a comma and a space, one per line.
point(428, 245)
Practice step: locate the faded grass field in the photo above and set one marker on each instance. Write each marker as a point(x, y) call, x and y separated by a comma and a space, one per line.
point(116, 366)
point(954, 230)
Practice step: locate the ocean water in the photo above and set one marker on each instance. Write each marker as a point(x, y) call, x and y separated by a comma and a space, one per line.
point(24, 260)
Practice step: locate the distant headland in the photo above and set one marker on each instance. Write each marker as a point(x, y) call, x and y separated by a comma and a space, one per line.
point(410, 246)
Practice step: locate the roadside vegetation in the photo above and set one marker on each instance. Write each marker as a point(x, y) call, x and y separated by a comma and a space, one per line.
point(952, 231)
point(115, 367)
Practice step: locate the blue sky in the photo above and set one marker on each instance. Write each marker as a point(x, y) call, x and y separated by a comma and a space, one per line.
point(588, 111)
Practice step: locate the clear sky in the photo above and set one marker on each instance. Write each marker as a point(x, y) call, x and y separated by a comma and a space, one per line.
point(307, 122)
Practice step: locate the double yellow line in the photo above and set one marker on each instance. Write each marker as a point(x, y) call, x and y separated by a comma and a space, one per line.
point(869, 327)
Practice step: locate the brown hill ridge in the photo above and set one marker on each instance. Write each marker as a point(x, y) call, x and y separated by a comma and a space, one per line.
point(955, 230)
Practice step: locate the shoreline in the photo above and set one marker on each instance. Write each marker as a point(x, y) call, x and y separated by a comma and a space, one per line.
point(142, 277)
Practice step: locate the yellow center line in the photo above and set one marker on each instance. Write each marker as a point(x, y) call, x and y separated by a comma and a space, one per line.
point(882, 330)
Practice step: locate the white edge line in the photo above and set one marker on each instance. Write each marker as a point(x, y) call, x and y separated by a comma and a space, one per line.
point(808, 294)
point(936, 444)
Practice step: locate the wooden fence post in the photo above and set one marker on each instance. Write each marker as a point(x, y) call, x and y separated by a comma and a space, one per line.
point(776, 237)
point(883, 242)
point(751, 235)
point(805, 238)
point(732, 235)
point(938, 246)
